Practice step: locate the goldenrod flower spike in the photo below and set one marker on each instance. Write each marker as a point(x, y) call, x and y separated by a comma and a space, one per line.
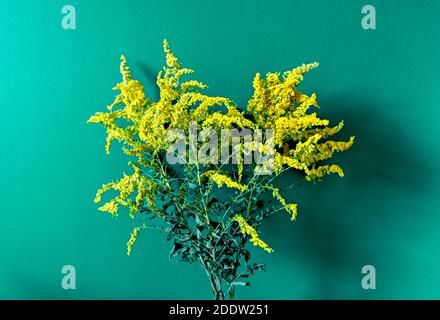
point(125, 70)
point(127, 186)
point(245, 228)
point(223, 180)
point(132, 240)
point(291, 208)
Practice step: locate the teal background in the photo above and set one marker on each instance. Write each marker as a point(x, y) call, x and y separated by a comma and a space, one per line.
point(383, 83)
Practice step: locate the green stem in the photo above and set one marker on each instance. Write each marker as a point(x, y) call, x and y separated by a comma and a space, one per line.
point(214, 280)
point(232, 293)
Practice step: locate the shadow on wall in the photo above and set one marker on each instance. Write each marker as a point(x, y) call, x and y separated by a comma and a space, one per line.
point(336, 215)
point(149, 80)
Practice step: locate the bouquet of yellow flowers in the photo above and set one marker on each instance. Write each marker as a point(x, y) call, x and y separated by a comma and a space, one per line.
point(203, 170)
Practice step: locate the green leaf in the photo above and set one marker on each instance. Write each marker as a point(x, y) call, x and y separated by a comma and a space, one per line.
point(174, 250)
point(170, 210)
point(247, 255)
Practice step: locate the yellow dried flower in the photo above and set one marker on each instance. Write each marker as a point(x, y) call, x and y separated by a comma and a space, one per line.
point(223, 180)
point(125, 70)
point(132, 240)
point(126, 186)
point(245, 228)
point(111, 207)
point(319, 172)
point(291, 208)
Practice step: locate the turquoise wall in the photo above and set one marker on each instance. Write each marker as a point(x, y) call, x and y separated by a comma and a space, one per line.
point(383, 83)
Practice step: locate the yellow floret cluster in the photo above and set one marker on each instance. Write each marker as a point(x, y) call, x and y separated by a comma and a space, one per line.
point(291, 208)
point(132, 240)
point(127, 186)
point(223, 180)
point(245, 228)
